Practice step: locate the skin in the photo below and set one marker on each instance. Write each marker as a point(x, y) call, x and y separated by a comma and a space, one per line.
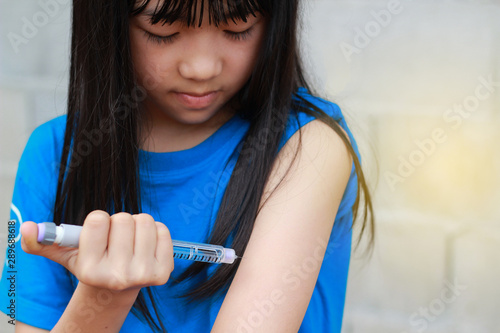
point(122, 253)
point(117, 256)
point(191, 61)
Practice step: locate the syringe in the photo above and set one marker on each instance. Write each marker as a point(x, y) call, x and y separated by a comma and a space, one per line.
point(69, 235)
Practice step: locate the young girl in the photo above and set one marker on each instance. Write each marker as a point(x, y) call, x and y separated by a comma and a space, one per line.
point(189, 120)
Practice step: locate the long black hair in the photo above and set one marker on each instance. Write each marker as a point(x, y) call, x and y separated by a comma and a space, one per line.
point(99, 163)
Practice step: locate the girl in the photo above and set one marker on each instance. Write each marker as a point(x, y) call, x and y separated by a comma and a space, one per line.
point(195, 113)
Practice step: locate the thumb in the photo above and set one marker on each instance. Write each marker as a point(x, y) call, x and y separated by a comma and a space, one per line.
point(30, 244)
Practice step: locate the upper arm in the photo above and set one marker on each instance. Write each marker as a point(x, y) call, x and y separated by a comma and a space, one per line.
point(24, 328)
point(291, 230)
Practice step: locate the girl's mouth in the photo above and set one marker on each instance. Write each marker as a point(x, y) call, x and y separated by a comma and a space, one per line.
point(196, 100)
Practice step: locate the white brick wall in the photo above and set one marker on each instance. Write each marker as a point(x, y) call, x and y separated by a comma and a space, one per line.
point(439, 225)
point(435, 265)
point(32, 85)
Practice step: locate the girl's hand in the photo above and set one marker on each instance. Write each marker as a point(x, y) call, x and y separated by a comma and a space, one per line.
point(118, 253)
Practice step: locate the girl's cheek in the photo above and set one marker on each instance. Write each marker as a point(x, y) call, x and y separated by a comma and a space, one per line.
point(147, 67)
point(154, 75)
point(151, 81)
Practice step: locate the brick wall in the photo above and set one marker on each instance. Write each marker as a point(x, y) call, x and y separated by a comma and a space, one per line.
point(421, 82)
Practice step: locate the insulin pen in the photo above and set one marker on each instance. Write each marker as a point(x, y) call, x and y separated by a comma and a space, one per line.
point(69, 235)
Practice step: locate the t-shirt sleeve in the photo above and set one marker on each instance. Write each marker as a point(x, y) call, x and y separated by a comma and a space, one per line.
point(33, 289)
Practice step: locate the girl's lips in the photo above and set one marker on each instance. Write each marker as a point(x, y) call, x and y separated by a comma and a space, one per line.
point(194, 101)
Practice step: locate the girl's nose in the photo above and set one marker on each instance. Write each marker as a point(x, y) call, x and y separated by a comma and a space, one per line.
point(200, 67)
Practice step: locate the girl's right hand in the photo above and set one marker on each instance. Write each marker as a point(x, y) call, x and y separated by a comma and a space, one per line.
point(117, 253)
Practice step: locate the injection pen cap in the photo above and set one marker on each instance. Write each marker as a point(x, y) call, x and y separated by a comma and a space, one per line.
point(64, 235)
point(46, 233)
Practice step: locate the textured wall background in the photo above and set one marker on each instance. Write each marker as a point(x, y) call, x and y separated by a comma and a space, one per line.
point(420, 83)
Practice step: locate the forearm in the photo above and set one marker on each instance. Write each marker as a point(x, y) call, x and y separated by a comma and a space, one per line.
point(95, 310)
point(122, 253)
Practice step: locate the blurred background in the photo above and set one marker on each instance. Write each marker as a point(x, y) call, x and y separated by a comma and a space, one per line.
point(419, 82)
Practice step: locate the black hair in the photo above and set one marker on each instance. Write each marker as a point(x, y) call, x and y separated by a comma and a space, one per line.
point(104, 100)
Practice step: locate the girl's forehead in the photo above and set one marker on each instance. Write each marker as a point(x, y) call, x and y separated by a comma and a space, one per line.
point(194, 12)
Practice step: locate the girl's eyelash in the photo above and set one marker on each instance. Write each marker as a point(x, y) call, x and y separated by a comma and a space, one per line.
point(160, 39)
point(242, 35)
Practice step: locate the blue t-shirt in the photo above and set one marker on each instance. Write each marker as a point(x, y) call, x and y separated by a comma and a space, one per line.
point(182, 189)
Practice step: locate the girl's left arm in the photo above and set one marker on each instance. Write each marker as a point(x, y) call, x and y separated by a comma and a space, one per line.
point(291, 229)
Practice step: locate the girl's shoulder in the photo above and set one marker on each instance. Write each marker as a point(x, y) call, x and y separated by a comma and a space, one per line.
point(48, 134)
point(298, 119)
point(43, 150)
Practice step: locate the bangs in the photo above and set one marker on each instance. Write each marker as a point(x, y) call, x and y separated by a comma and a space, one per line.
point(191, 12)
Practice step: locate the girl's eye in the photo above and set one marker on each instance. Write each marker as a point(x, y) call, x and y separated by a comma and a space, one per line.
point(160, 39)
point(241, 35)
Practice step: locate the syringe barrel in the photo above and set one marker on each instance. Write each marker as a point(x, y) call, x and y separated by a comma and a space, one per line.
point(198, 252)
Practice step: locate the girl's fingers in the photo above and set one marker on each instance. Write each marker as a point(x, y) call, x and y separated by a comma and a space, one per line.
point(94, 236)
point(121, 238)
point(164, 251)
point(117, 252)
point(145, 237)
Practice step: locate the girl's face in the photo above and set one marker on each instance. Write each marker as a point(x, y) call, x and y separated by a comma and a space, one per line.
point(190, 73)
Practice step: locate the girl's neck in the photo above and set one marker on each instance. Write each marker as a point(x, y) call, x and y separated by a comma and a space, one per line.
point(162, 134)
